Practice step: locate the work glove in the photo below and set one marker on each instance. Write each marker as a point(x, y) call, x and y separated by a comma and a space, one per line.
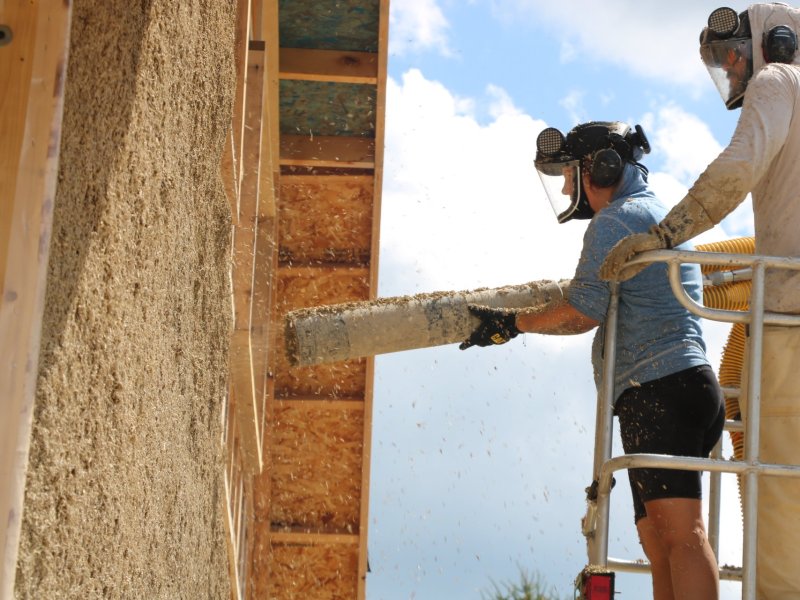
point(687, 219)
point(613, 267)
point(497, 326)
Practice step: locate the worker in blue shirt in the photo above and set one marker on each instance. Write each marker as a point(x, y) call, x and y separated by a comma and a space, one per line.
point(666, 395)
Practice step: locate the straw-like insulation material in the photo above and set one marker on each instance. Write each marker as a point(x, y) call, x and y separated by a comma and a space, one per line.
point(326, 218)
point(316, 468)
point(123, 496)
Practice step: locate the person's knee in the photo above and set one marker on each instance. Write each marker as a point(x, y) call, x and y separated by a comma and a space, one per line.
point(657, 554)
point(654, 549)
point(681, 537)
point(677, 524)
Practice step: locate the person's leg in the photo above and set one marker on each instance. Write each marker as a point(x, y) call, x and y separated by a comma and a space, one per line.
point(677, 524)
point(681, 415)
point(636, 421)
point(658, 557)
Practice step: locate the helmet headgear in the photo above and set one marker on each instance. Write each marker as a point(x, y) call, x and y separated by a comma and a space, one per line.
point(598, 148)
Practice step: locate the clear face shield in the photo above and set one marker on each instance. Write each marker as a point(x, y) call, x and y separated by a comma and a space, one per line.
point(562, 184)
point(726, 49)
point(559, 173)
point(730, 64)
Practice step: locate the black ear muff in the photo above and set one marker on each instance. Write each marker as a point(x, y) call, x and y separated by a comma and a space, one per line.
point(780, 44)
point(606, 167)
point(641, 145)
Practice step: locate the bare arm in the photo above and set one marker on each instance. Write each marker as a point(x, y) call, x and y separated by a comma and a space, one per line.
point(499, 325)
point(557, 319)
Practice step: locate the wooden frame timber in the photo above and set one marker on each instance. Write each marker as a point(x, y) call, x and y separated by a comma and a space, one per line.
point(248, 167)
point(329, 65)
point(34, 42)
point(302, 170)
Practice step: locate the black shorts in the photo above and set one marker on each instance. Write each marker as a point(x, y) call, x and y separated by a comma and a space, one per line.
point(681, 414)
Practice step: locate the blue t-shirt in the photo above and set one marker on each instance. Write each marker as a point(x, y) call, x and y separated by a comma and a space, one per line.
point(656, 336)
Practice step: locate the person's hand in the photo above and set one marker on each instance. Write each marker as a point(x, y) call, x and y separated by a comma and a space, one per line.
point(614, 269)
point(497, 326)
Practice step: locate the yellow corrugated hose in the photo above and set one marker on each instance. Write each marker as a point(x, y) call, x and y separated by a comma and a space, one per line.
point(730, 296)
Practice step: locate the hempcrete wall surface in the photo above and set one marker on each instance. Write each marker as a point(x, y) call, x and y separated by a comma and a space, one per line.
point(123, 496)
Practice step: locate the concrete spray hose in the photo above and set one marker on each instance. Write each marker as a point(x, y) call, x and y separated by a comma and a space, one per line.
point(733, 295)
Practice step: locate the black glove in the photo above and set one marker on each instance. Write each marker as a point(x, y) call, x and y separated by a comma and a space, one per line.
point(498, 325)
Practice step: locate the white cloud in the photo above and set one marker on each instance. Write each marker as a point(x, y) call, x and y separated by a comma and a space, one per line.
point(417, 25)
point(502, 104)
point(740, 222)
point(606, 98)
point(573, 104)
point(685, 140)
point(462, 205)
point(687, 146)
point(568, 52)
point(657, 40)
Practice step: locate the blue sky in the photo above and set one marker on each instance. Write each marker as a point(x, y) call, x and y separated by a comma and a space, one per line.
point(480, 458)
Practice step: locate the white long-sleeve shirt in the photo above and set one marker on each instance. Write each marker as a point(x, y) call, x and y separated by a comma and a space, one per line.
point(763, 158)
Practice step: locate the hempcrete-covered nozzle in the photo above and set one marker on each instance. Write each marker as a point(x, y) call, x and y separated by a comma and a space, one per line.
point(344, 331)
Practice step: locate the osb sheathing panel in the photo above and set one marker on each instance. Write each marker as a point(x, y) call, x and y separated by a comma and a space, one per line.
point(330, 24)
point(321, 572)
point(326, 218)
point(344, 379)
point(326, 108)
point(304, 288)
point(123, 496)
point(316, 462)
point(301, 288)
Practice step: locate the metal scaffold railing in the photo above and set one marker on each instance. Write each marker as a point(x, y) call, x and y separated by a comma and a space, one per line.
point(750, 468)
